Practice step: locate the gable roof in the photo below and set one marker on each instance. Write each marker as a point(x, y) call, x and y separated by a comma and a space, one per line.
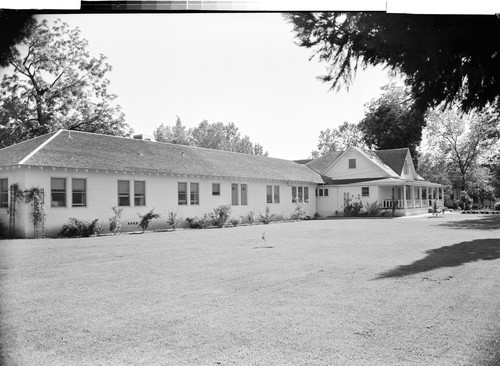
point(321, 164)
point(395, 158)
point(74, 149)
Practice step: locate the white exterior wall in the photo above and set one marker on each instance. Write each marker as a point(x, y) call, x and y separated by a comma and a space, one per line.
point(333, 205)
point(364, 167)
point(161, 195)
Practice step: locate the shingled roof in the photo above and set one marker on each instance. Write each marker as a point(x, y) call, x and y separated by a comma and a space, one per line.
point(73, 149)
point(395, 158)
point(322, 163)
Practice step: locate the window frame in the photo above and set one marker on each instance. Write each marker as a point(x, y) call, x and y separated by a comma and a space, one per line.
point(269, 194)
point(276, 194)
point(58, 191)
point(4, 193)
point(123, 195)
point(82, 193)
point(194, 194)
point(182, 202)
point(352, 163)
point(365, 189)
point(215, 192)
point(235, 200)
point(139, 196)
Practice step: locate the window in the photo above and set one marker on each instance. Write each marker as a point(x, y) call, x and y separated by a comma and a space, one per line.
point(234, 194)
point(4, 192)
point(182, 193)
point(123, 193)
point(417, 193)
point(424, 193)
point(194, 193)
point(276, 194)
point(139, 193)
point(244, 194)
point(406, 167)
point(269, 194)
point(215, 189)
point(306, 194)
point(365, 191)
point(58, 192)
point(294, 194)
point(79, 187)
point(301, 197)
point(326, 192)
point(352, 163)
point(321, 192)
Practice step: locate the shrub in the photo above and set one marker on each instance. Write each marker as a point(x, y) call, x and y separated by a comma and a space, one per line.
point(464, 202)
point(235, 221)
point(200, 223)
point(251, 217)
point(221, 215)
point(268, 217)
point(372, 209)
point(316, 216)
point(352, 208)
point(301, 213)
point(173, 219)
point(147, 218)
point(114, 222)
point(80, 228)
point(497, 206)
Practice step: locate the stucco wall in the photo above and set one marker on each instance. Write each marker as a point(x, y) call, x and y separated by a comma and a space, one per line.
point(161, 194)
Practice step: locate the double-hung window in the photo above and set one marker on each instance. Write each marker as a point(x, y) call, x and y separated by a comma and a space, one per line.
point(215, 189)
point(4, 192)
point(194, 193)
point(276, 194)
point(79, 194)
point(306, 194)
point(269, 194)
point(294, 194)
point(301, 196)
point(123, 193)
point(139, 193)
point(182, 193)
point(58, 192)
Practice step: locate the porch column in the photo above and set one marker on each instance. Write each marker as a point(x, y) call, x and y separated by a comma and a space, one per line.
point(420, 195)
point(404, 196)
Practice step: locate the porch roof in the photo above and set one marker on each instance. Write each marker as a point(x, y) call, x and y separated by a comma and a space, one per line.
point(382, 182)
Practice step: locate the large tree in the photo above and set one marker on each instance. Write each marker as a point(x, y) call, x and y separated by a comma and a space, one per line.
point(445, 58)
point(460, 145)
point(218, 136)
point(53, 82)
point(339, 139)
point(392, 121)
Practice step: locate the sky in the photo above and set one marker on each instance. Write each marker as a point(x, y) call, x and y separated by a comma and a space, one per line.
point(233, 67)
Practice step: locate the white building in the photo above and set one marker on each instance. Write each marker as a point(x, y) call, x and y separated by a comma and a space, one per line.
point(83, 175)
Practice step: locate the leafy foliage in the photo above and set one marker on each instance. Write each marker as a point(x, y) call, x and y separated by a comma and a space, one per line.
point(339, 139)
point(80, 228)
point(465, 201)
point(35, 196)
point(267, 217)
point(301, 213)
point(114, 222)
point(217, 136)
point(200, 223)
point(441, 56)
point(353, 208)
point(372, 209)
point(221, 215)
point(251, 217)
point(235, 221)
point(54, 84)
point(391, 121)
point(173, 219)
point(147, 218)
point(14, 26)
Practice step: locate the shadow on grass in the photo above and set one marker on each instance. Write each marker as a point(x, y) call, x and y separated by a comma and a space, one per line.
point(481, 223)
point(449, 256)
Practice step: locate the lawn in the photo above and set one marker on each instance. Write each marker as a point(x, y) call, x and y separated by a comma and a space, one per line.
point(405, 291)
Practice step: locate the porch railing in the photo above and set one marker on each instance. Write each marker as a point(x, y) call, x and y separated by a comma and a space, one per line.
point(388, 204)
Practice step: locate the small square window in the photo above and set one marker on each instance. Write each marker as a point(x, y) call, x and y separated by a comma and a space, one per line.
point(365, 191)
point(352, 163)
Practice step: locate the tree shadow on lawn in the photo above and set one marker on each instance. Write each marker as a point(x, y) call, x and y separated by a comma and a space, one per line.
point(449, 256)
point(482, 223)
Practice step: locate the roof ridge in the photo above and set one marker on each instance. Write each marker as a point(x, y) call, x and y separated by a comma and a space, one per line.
point(39, 147)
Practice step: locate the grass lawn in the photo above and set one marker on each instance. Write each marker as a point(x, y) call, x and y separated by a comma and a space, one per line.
point(405, 291)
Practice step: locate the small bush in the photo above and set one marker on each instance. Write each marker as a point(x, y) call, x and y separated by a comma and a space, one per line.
point(200, 223)
point(497, 206)
point(251, 217)
point(353, 208)
point(235, 221)
point(147, 218)
point(372, 209)
point(316, 216)
point(268, 217)
point(173, 219)
point(80, 228)
point(301, 213)
point(221, 215)
point(464, 202)
point(114, 222)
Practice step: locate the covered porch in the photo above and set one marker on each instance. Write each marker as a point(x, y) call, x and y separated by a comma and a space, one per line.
point(409, 195)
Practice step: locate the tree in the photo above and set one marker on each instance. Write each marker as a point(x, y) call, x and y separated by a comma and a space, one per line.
point(445, 58)
point(54, 84)
point(461, 142)
point(339, 139)
point(218, 136)
point(392, 121)
point(176, 134)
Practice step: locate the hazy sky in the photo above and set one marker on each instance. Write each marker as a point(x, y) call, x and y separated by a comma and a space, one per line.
point(239, 67)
